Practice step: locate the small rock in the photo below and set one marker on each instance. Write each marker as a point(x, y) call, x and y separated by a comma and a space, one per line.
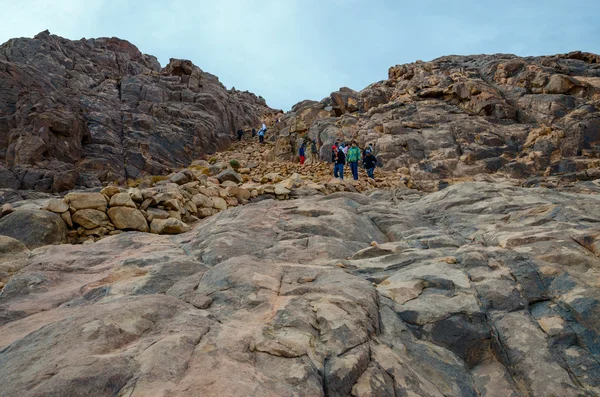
point(56, 205)
point(126, 218)
point(168, 226)
point(229, 175)
point(90, 218)
point(66, 216)
point(122, 200)
point(110, 190)
point(7, 209)
point(201, 301)
point(82, 201)
point(219, 203)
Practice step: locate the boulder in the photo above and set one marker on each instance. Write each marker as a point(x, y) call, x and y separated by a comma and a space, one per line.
point(56, 205)
point(90, 219)
point(229, 175)
point(13, 256)
point(110, 190)
point(122, 200)
point(34, 228)
point(82, 201)
point(6, 209)
point(219, 203)
point(202, 201)
point(281, 190)
point(180, 178)
point(126, 218)
point(168, 226)
point(156, 213)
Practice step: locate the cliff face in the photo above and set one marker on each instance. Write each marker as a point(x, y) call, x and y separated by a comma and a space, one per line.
point(87, 111)
point(460, 116)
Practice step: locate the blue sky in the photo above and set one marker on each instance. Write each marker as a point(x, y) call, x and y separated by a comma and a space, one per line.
point(290, 50)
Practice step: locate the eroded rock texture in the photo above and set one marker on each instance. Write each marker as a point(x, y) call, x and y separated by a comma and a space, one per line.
point(477, 290)
point(78, 113)
point(459, 116)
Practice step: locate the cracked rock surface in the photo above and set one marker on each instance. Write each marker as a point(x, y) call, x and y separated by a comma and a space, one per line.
point(476, 290)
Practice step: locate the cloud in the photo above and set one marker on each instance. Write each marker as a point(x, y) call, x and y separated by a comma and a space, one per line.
point(292, 50)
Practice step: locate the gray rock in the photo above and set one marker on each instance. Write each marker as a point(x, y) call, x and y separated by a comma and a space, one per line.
point(34, 228)
point(230, 175)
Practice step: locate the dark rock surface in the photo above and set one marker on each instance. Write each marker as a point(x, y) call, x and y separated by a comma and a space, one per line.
point(477, 290)
point(78, 113)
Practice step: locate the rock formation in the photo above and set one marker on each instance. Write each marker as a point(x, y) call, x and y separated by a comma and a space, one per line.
point(243, 273)
point(80, 113)
point(459, 116)
point(477, 290)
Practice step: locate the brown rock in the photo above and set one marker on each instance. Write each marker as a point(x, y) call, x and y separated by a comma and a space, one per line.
point(168, 226)
point(66, 216)
point(110, 190)
point(126, 218)
point(82, 201)
point(219, 203)
point(56, 205)
point(122, 200)
point(89, 218)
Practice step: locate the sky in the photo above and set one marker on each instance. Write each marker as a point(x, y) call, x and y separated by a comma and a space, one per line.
point(291, 50)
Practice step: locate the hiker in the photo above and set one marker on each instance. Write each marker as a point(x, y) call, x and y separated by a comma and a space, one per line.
point(352, 157)
point(314, 151)
point(240, 134)
point(301, 154)
point(261, 133)
point(345, 148)
point(369, 162)
point(253, 132)
point(340, 160)
point(334, 149)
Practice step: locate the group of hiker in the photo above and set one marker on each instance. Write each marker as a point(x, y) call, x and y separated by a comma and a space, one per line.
point(261, 133)
point(341, 154)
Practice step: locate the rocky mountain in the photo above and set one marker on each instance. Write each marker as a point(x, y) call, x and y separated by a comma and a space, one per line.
point(247, 274)
point(460, 116)
point(92, 111)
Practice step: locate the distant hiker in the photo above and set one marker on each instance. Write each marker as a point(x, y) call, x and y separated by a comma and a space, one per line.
point(345, 148)
point(240, 134)
point(313, 147)
point(334, 149)
point(369, 162)
point(261, 133)
point(301, 154)
point(277, 120)
point(253, 132)
point(352, 157)
point(340, 160)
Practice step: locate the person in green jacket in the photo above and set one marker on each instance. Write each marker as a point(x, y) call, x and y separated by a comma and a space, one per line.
point(352, 158)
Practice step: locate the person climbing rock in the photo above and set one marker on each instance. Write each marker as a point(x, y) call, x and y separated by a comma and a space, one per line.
point(301, 154)
point(369, 162)
point(340, 161)
point(352, 157)
point(240, 134)
point(253, 132)
point(261, 133)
